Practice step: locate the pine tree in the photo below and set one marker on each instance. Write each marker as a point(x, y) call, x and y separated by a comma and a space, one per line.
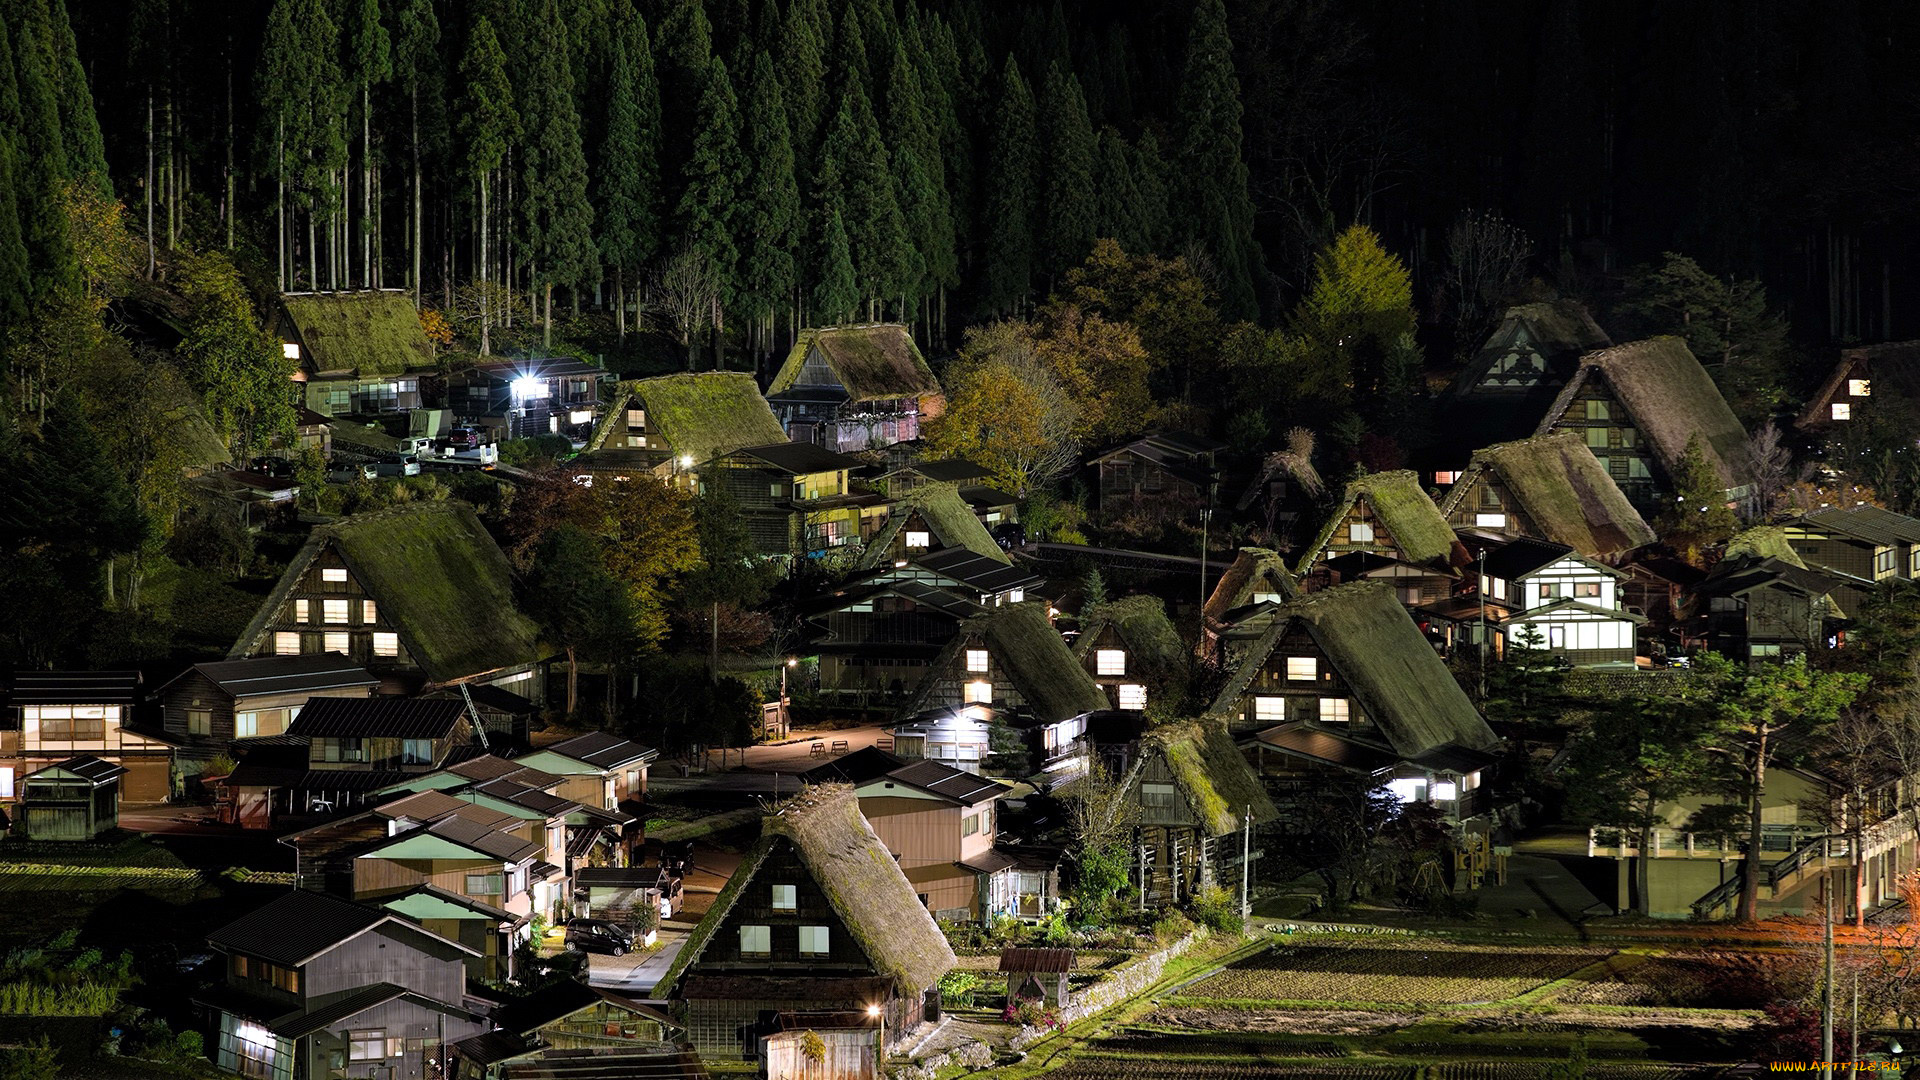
point(489, 124)
point(920, 179)
point(79, 125)
point(768, 266)
point(1119, 200)
point(42, 156)
point(685, 44)
point(1071, 209)
point(1213, 189)
point(372, 59)
point(628, 182)
point(1009, 210)
point(708, 212)
point(849, 66)
point(559, 215)
point(835, 294)
point(417, 63)
point(1156, 206)
point(946, 92)
point(854, 157)
point(14, 284)
point(804, 72)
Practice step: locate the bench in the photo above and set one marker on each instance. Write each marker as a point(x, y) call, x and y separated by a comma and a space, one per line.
point(885, 742)
point(818, 749)
point(839, 746)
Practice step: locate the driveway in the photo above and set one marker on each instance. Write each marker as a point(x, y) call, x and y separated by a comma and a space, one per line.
point(636, 974)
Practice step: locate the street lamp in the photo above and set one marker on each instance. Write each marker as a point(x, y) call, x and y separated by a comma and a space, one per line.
point(786, 722)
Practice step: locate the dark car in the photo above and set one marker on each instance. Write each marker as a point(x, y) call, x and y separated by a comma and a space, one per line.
point(598, 935)
point(1010, 535)
point(677, 858)
point(278, 468)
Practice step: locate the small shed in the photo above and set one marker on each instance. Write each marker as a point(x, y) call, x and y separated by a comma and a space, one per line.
point(1036, 973)
point(819, 1045)
point(76, 799)
point(608, 891)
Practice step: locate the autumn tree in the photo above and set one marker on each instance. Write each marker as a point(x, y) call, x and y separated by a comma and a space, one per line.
point(1359, 302)
point(1007, 410)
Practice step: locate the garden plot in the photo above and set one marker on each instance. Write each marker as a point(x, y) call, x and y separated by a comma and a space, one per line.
point(1152, 1069)
point(1404, 973)
point(1706, 980)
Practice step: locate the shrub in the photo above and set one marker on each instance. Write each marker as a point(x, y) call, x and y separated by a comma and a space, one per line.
point(1032, 1012)
point(643, 916)
point(521, 451)
point(34, 1061)
point(957, 989)
point(1217, 909)
point(1171, 927)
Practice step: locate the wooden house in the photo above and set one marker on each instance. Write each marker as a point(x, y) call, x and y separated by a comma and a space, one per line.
point(575, 833)
point(317, 986)
point(991, 583)
point(850, 388)
point(1132, 651)
point(1194, 794)
point(596, 768)
point(210, 705)
point(56, 715)
point(671, 426)
point(611, 892)
point(1761, 602)
point(518, 399)
point(1866, 383)
point(990, 504)
point(1256, 576)
point(1571, 606)
point(798, 500)
point(932, 517)
point(420, 595)
point(875, 640)
point(1342, 679)
point(1037, 974)
point(1860, 541)
point(1638, 405)
point(569, 1029)
point(1512, 379)
point(1008, 660)
point(76, 799)
point(1550, 488)
point(1167, 466)
point(818, 916)
point(1390, 520)
point(360, 352)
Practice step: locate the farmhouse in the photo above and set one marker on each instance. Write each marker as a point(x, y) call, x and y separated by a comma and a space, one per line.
point(1513, 378)
point(1549, 487)
point(1168, 465)
point(850, 388)
point(518, 399)
point(1006, 660)
point(931, 517)
point(673, 425)
point(798, 500)
point(76, 799)
point(56, 715)
point(1866, 383)
point(1132, 651)
point(1389, 520)
point(1860, 541)
point(212, 704)
point(360, 352)
point(1547, 597)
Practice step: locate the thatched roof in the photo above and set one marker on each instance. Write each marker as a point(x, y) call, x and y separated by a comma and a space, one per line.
point(1390, 667)
point(703, 414)
point(1142, 623)
point(1763, 542)
point(189, 429)
point(1670, 398)
point(1253, 570)
point(1034, 656)
point(947, 515)
point(1403, 507)
point(376, 332)
point(1211, 773)
point(440, 581)
point(873, 362)
point(1561, 488)
point(1892, 367)
point(863, 884)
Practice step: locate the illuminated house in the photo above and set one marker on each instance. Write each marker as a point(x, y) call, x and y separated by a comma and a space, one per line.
point(1386, 527)
point(932, 517)
point(851, 388)
point(1548, 488)
point(797, 499)
point(56, 715)
point(360, 352)
point(1132, 651)
point(517, 399)
point(1512, 380)
point(1865, 383)
point(672, 425)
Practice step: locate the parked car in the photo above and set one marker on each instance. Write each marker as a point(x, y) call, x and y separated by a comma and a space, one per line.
point(1010, 535)
point(278, 468)
point(598, 935)
point(347, 474)
point(677, 858)
point(463, 438)
point(397, 465)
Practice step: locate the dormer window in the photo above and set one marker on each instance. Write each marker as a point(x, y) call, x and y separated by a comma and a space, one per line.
point(977, 660)
point(918, 540)
point(1266, 598)
point(1110, 661)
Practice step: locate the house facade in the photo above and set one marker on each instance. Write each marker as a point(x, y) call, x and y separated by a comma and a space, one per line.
point(1862, 541)
point(518, 399)
point(361, 352)
point(1549, 487)
point(1171, 466)
point(1546, 596)
point(1392, 524)
point(1132, 651)
point(672, 425)
point(848, 388)
point(210, 705)
point(56, 715)
point(797, 499)
point(1009, 660)
point(596, 768)
point(1866, 383)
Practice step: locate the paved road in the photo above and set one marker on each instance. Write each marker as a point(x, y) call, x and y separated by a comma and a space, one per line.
point(760, 770)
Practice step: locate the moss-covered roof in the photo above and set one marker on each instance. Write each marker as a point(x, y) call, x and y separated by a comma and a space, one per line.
point(1670, 397)
point(1764, 542)
point(1035, 657)
point(1400, 504)
point(191, 432)
point(1389, 666)
point(1561, 488)
point(376, 332)
point(702, 414)
point(862, 882)
point(1211, 773)
point(1253, 570)
point(947, 515)
point(440, 581)
point(873, 362)
point(1152, 642)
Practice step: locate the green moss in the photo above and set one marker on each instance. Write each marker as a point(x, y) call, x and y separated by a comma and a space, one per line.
point(708, 414)
point(368, 333)
point(872, 362)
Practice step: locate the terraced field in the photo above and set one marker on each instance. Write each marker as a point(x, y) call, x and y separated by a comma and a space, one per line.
point(1422, 973)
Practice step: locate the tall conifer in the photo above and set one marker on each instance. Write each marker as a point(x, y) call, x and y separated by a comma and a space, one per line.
point(870, 212)
point(1156, 206)
point(628, 184)
point(13, 247)
point(559, 216)
point(771, 228)
point(803, 72)
point(707, 214)
point(1215, 204)
point(834, 293)
point(1009, 207)
point(1119, 202)
point(685, 44)
point(1071, 209)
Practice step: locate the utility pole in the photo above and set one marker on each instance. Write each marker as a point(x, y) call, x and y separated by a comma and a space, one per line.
point(1481, 587)
point(1246, 859)
point(1205, 517)
point(1826, 985)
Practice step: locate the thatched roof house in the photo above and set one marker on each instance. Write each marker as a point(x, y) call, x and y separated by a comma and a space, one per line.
point(873, 362)
point(1212, 774)
point(1535, 344)
point(818, 866)
point(1388, 514)
point(363, 333)
point(1549, 487)
point(1664, 394)
point(1131, 642)
point(1256, 574)
point(424, 592)
point(671, 418)
point(931, 517)
point(1007, 658)
point(1871, 380)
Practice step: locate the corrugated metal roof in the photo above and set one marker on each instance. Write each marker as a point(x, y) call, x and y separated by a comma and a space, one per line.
point(95, 770)
point(603, 751)
point(1325, 746)
point(1045, 961)
point(297, 927)
point(1869, 523)
point(377, 718)
point(482, 838)
point(74, 687)
point(941, 779)
point(286, 674)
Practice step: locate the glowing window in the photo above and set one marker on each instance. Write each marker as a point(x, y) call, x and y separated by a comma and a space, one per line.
point(1110, 661)
point(980, 692)
point(786, 897)
point(1333, 710)
point(1445, 791)
point(334, 612)
point(1490, 521)
point(1133, 696)
point(385, 644)
point(337, 641)
point(367, 1045)
point(1269, 707)
point(289, 350)
point(286, 643)
point(756, 941)
point(1447, 476)
point(1303, 668)
point(369, 613)
point(918, 540)
point(303, 611)
point(1266, 598)
point(1859, 387)
point(976, 660)
point(1842, 411)
point(813, 941)
point(333, 574)
point(1360, 533)
point(1015, 596)
point(1408, 791)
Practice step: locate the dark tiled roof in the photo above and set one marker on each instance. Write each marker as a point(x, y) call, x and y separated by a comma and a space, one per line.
point(650, 1063)
point(618, 877)
point(1869, 523)
point(977, 571)
point(87, 767)
point(991, 861)
point(1328, 747)
point(864, 764)
point(252, 774)
point(74, 687)
point(297, 927)
point(497, 698)
point(1455, 758)
point(377, 718)
point(299, 1024)
point(286, 674)
point(483, 838)
point(953, 470)
point(1523, 556)
point(801, 458)
point(1019, 958)
point(490, 767)
point(603, 751)
point(510, 789)
point(962, 787)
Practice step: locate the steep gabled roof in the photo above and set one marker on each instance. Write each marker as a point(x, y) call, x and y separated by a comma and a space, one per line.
point(1211, 773)
point(1561, 488)
point(1390, 667)
point(863, 884)
point(1560, 330)
point(1141, 621)
point(874, 362)
point(1670, 398)
point(440, 580)
point(1893, 368)
point(704, 414)
point(1763, 542)
point(1251, 569)
point(946, 515)
point(1036, 659)
point(1399, 502)
point(375, 332)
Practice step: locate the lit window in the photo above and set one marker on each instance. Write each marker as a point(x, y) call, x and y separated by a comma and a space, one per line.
point(1015, 596)
point(369, 612)
point(756, 941)
point(1110, 661)
point(367, 1045)
point(918, 540)
point(1360, 532)
point(1269, 707)
point(980, 692)
point(813, 941)
point(1333, 710)
point(343, 750)
point(1266, 598)
point(1586, 590)
point(1408, 791)
point(1764, 652)
point(1446, 476)
point(286, 643)
point(1471, 781)
point(1133, 696)
point(333, 574)
point(6, 782)
point(334, 612)
point(786, 897)
point(1859, 387)
point(302, 611)
point(385, 644)
point(1302, 668)
point(1597, 438)
point(289, 350)
point(977, 660)
point(1549, 590)
point(1490, 521)
point(336, 641)
point(246, 725)
point(1445, 791)
point(1842, 411)
point(1599, 410)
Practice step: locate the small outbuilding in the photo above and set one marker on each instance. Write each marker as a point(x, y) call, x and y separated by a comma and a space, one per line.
point(76, 799)
point(1037, 973)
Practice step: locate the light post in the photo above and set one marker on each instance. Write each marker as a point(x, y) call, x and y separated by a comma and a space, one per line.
point(786, 723)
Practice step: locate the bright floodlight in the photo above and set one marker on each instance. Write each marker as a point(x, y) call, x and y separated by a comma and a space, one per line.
point(873, 1010)
point(686, 461)
point(526, 386)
